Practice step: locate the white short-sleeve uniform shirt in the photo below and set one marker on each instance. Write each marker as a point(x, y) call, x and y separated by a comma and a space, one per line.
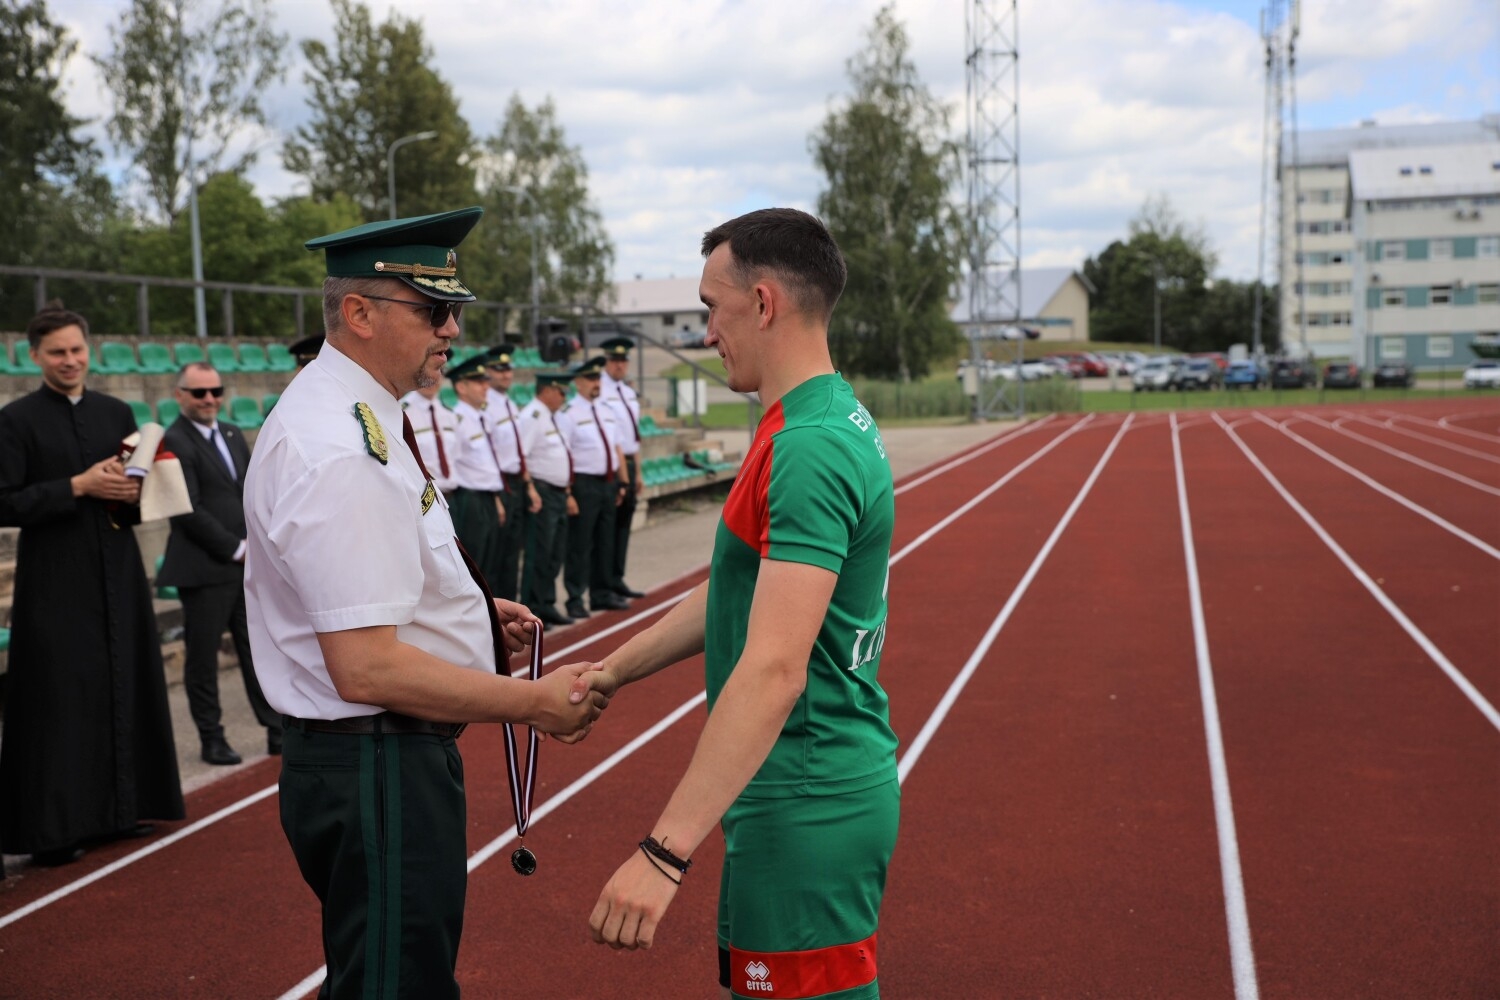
point(339, 540)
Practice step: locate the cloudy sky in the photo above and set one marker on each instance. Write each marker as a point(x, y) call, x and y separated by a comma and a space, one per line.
point(691, 112)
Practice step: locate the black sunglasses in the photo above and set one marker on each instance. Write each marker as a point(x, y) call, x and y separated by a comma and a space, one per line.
point(217, 392)
point(440, 310)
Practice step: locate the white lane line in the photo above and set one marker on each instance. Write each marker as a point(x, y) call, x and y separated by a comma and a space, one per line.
point(988, 490)
point(133, 857)
point(945, 705)
point(1458, 477)
point(1388, 425)
point(1410, 505)
point(1482, 435)
point(1009, 435)
point(1410, 627)
point(314, 980)
point(1237, 916)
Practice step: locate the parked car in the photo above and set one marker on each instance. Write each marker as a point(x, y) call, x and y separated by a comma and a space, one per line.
point(1199, 373)
point(1219, 358)
point(1084, 363)
point(1397, 373)
point(1482, 374)
point(686, 337)
point(1292, 375)
point(1342, 375)
point(1158, 373)
point(1242, 375)
point(597, 330)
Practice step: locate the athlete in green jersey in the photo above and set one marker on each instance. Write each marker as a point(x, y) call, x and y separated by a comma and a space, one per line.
point(797, 760)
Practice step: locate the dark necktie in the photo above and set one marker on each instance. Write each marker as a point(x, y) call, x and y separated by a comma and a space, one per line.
point(502, 658)
point(437, 432)
point(491, 446)
point(222, 447)
point(566, 450)
point(609, 458)
point(515, 418)
point(634, 427)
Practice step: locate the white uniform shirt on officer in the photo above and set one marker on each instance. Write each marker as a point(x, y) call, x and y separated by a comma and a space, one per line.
point(587, 446)
point(626, 406)
point(545, 440)
point(424, 414)
point(338, 540)
point(475, 468)
point(501, 414)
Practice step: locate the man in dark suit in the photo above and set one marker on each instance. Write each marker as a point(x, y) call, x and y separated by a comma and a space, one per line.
point(205, 557)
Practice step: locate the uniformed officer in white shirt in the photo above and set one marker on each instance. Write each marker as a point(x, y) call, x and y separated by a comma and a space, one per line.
point(598, 487)
point(520, 499)
point(544, 436)
point(369, 633)
point(437, 434)
point(478, 502)
point(616, 393)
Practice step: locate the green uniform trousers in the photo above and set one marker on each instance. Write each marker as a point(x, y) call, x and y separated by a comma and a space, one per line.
point(591, 538)
point(546, 545)
point(512, 537)
point(477, 522)
point(624, 514)
point(377, 825)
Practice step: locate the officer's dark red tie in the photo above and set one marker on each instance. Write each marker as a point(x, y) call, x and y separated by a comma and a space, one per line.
point(437, 432)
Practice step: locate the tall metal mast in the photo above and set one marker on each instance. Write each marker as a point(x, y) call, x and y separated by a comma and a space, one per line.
point(1270, 158)
point(994, 189)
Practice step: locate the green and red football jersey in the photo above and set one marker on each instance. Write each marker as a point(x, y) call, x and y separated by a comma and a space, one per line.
point(815, 488)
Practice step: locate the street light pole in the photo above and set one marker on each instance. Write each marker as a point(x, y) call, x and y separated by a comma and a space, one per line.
point(536, 318)
point(1156, 303)
point(390, 162)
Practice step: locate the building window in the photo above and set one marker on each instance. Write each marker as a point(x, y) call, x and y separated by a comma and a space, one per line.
point(1393, 297)
point(1392, 348)
point(1441, 249)
point(1440, 346)
point(1487, 246)
point(1341, 318)
point(1441, 295)
point(1338, 257)
point(1393, 250)
point(668, 319)
point(1487, 295)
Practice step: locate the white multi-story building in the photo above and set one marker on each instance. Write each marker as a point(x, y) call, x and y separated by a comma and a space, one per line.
point(1426, 226)
point(1318, 298)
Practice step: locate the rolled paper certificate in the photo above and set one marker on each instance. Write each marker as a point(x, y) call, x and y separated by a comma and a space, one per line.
point(164, 493)
point(143, 449)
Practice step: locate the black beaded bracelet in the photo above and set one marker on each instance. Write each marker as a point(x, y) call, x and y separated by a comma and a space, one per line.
point(656, 850)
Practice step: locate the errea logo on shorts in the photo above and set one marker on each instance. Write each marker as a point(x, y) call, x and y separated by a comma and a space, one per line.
point(758, 981)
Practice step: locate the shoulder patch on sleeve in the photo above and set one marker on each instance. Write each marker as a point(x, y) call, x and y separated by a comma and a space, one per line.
point(375, 442)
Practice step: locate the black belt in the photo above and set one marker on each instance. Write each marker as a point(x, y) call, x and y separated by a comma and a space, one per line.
point(382, 722)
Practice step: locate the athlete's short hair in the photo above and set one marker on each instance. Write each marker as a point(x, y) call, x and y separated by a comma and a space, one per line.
point(792, 245)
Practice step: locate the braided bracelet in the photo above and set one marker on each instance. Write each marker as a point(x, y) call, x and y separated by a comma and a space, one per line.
point(656, 850)
point(658, 867)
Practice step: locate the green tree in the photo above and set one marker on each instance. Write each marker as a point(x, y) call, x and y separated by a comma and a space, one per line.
point(186, 82)
point(575, 258)
point(1164, 263)
point(891, 167)
point(377, 85)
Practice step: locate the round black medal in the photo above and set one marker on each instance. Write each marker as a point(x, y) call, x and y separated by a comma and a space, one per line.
point(523, 861)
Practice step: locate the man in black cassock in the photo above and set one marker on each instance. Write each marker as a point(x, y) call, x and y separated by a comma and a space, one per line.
point(87, 752)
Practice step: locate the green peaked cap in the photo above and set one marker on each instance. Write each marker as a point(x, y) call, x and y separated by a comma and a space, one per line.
point(419, 251)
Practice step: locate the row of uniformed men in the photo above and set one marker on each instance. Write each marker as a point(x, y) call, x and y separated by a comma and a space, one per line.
point(548, 486)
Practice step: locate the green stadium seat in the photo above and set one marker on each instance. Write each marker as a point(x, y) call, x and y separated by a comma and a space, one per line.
point(253, 358)
point(522, 395)
point(8, 366)
point(448, 396)
point(187, 354)
point(245, 411)
point(4, 640)
point(116, 358)
point(267, 401)
point(280, 359)
point(142, 412)
point(156, 359)
point(167, 411)
point(222, 357)
point(163, 593)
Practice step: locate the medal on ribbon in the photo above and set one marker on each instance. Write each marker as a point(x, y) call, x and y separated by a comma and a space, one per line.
point(521, 794)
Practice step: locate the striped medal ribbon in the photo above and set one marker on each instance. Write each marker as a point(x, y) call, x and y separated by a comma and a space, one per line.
point(521, 795)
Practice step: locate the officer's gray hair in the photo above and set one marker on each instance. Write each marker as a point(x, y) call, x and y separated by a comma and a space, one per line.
point(334, 290)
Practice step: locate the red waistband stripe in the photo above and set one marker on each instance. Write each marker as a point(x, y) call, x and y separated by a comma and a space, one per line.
point(791, 975)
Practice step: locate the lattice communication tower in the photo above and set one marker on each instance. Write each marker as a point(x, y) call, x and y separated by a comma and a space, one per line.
point(994, 202)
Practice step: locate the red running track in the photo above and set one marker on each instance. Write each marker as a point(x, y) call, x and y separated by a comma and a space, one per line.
point(1291, 794)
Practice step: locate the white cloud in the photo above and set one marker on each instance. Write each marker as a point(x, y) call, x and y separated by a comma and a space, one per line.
point(690, 113)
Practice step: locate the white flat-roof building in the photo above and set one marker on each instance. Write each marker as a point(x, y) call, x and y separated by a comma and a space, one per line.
point(1426, 225)
point(1317, 180)
point(1055, 301)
